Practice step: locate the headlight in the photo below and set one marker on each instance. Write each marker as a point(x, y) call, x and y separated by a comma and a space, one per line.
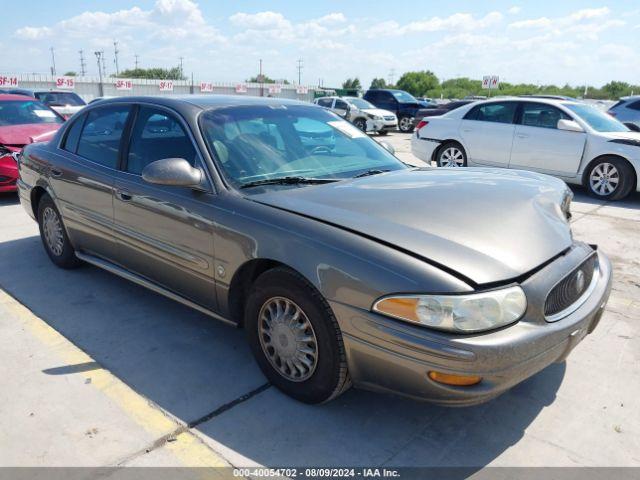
point(374, 117)
point(566, 204)
point(468, 313)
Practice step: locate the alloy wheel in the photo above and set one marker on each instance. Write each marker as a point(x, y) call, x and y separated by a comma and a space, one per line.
point(604, 179)
point(287, 339)
point(451, 157)
point(405, 124)
point(52, 228)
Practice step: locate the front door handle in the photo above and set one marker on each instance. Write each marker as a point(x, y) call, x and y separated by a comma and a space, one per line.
point(522, 135)
point(124, 196)
point(467, 130)
point(56, 173)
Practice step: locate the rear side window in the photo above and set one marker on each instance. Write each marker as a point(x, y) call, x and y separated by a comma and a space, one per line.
point(325, 102)
point(73, 135)
point(541, 115)
point(100, 138)
point(497, 112)
point(157, 135)
point(341, 104)
point(635, 105)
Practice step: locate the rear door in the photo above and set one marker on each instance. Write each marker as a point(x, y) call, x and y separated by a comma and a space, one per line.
point(164, 233)
point(487, 133)
point(538, 144)
point(83, 178)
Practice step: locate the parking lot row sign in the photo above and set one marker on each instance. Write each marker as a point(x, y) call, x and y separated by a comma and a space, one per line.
point(166, 85)
point(241, 88)
point(8, 81)
point(65, 83)
point(206, 87)
point(491, 82)
point(124, 84)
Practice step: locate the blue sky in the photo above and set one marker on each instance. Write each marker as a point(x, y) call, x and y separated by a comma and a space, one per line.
point(539, 42)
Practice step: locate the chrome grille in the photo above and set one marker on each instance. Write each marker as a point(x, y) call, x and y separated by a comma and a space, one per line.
point(388, 117)
point(570, 288)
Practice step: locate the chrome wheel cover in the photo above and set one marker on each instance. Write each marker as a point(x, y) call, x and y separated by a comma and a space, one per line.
point(604, 179)
point(52, 229)
point(287, 339)
point(451, 157)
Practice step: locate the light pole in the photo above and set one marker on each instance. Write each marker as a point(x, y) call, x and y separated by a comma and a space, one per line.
point(53, 62)
point(99, 59)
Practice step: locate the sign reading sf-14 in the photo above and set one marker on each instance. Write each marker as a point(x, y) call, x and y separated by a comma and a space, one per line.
point(8, 81)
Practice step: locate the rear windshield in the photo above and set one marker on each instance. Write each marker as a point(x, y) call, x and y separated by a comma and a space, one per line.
point(60, 99)
point(599, 121)
point(16, 112)
point(403, 97)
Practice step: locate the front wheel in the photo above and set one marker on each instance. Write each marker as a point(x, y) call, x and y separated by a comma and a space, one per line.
point(295, 337)
point(451, 154)
point(383, 132)
point(360, 124)
point(54, 236)
point(405, 124)
point(609, 178)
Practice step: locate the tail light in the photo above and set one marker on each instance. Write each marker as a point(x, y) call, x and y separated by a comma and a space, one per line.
point(421, 123)
point(613, 114)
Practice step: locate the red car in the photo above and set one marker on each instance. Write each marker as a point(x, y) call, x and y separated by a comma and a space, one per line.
point(23, 120)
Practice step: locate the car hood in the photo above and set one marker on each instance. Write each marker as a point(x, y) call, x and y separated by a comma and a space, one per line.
point(378, 111)
point(487, 225)
point(20, 135)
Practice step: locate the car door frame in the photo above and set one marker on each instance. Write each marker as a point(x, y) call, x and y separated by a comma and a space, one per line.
point(208, 188)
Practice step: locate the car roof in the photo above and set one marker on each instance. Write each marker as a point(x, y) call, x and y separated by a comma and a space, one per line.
point(15, 97)
point(206, 102)
point(630, 97)
point(549, 101)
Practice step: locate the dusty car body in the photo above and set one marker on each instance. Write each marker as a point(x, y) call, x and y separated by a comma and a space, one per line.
point(357, 251)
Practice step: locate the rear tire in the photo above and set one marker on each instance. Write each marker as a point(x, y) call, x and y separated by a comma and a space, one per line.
point(451, 154)
point(295, 337)
point(383, 132)
point(609, 178)
point(54, 235)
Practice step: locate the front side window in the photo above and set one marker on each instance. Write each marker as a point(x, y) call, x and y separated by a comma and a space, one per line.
point(325, 102)
point(497, 112)
point(360, 103)
point(157, 135)
point(542, 115)
point(599, 121)
point(263, 143)
point(18, 112)
point(100, 138)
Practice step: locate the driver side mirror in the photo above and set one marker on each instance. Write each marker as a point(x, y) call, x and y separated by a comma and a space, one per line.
point(569, 125)
point(175, 172)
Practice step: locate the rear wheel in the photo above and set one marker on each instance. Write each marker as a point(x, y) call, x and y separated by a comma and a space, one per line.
point(54, 236)
point(295, 337)
point(451, 154)
point(405, 124)
point(609, 178)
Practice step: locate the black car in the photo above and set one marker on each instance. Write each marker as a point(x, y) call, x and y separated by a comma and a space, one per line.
point(440, 109)
point(403, 104)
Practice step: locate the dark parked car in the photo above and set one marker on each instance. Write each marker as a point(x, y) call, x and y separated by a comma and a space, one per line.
point(627, 110)
point(282, 218)
point(440, 109)
point(403, 104)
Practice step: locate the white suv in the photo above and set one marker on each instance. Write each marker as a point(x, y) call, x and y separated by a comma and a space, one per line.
point(361, 113)
point(570, 140)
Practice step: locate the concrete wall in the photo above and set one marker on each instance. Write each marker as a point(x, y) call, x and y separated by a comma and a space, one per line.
point(89, 87)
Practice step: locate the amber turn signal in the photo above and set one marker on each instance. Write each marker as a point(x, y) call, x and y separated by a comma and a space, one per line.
point(457, 380)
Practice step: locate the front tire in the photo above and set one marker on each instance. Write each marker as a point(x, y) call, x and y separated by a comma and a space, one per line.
point(609, 178)
point(405, 124)
point(360, 124)
point(54, 235)
point(451, 154)
point(383, 132)
point(295, 337)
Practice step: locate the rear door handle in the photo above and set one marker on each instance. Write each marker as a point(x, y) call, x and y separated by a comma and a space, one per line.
point(124, 196)
point(56, 173)
point(466, 130)
point(522, 135)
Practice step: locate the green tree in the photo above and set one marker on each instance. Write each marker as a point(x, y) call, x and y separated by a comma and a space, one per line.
point(153, 73)
point(418, 83)
point(378, 83)
point(352, 83)
point(265, 79)
point(616, 89)
point(70, 74)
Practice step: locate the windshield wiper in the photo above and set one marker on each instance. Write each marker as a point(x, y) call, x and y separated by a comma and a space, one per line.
point(288, 181)
point(371, 172)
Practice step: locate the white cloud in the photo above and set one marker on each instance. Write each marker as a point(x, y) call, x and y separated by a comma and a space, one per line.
point(457, 22)
point(34, 33)
point(260, 21)
point(514, 10)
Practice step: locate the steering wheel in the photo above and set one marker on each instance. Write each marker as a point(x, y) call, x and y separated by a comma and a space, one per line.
point(320, 149)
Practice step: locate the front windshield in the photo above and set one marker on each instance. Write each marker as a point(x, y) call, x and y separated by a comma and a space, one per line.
point(254, 143)
point(359, 102)
point(599, 121)
point(17, 112)
point(60, 98)
point(404, 97)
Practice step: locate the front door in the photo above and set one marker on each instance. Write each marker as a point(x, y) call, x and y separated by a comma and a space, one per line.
point(163, 232)
point(487, 133)
point(538, 144)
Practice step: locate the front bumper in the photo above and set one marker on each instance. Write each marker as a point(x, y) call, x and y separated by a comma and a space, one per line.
point(8, 174)
point(388, 355)
point(381, 125)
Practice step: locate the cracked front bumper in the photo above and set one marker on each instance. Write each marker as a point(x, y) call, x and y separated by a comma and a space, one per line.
point(393, 356)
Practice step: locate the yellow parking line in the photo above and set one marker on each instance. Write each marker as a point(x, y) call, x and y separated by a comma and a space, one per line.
point(186, 447)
